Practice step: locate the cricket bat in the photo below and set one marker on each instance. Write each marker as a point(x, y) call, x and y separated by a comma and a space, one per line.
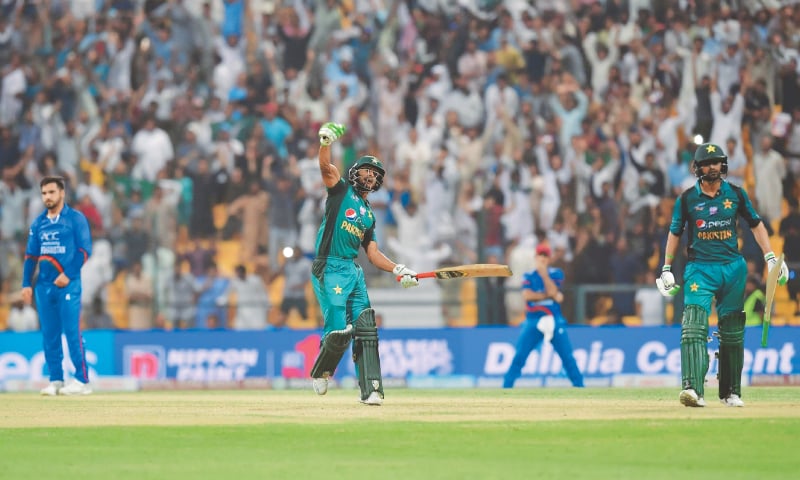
point(474, 270)
point(772, 284)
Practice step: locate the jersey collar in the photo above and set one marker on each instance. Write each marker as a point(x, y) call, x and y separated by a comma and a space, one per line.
point(64, 211)
point(724, 187)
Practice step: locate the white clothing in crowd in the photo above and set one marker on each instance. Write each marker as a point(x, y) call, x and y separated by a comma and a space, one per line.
point(252, 302)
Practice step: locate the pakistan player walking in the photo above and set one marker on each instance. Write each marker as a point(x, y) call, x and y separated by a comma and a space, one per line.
point(715, 270)
point(338, 281)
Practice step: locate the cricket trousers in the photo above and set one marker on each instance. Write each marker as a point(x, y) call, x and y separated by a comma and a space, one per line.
point(530, 337)
point(59, 312)
point(341, 291)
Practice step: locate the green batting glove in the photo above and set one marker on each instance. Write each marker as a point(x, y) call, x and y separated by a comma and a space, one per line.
point(330, 132)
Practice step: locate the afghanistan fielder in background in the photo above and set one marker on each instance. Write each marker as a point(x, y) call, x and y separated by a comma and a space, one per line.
point(541, 290)
point(348, 223)
point(60, 242)
point(716, 270)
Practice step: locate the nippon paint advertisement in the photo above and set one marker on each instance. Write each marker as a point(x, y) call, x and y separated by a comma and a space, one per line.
point(419, 357)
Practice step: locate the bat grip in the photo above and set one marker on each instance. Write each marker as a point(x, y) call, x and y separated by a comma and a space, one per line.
point(420, 275)
point(764, 332)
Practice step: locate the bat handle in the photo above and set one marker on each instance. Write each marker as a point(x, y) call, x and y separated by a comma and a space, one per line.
point(420, 275)
point(764, 332)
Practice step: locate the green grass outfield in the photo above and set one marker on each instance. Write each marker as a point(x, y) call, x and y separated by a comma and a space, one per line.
point(417, 434)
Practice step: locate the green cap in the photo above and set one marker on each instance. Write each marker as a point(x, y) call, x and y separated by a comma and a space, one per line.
point(709, 151)
point(369, 161)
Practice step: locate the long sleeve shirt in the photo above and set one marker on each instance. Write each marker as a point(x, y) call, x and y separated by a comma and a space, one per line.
point(59, 245)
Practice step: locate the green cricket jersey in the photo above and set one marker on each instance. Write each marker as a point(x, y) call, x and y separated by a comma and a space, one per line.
point(711, 222)
point(348, 223)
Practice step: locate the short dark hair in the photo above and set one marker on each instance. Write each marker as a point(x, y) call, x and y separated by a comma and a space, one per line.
point(59, 181)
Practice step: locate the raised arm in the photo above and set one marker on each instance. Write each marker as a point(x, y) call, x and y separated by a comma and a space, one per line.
point(329, 133)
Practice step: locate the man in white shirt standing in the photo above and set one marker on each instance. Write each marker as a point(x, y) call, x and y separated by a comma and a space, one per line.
point(13, 87)
point(252, 301)
point(153, 148)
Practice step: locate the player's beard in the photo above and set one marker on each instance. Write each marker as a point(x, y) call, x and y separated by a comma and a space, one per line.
point(712, 176)
point(366, 184)
point(51, 205)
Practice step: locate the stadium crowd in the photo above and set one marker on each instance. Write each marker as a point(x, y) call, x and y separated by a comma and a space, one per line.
point(179, 124)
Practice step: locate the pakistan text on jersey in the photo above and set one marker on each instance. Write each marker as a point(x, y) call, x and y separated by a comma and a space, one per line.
point(53, 250)
point(721, 235)
point(352, 229)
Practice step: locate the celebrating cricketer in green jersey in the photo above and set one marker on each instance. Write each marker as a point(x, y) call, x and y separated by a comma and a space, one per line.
point(716, 270)
point(338, 281)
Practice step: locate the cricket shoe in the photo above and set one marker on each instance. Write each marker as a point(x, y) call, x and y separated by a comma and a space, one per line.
point(732, 400)
point(52, 389)
point(320, 384)
point(76, 387)
point(373, 399)
point(690, 398)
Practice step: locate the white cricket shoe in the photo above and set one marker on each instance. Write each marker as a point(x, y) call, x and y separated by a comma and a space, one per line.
point(373, 399)
point(732, 400)
point(76, 387)
point(690, 398)
point(52, 389)
point(320, 385)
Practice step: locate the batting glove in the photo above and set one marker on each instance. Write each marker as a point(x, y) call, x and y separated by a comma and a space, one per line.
point(666, 282)
point(772, 261)
point(408, 277)
point(330, 132)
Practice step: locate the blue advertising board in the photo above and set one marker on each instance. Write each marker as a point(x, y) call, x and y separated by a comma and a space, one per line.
point(22, 357)
point(483, 352)
point(215, 355)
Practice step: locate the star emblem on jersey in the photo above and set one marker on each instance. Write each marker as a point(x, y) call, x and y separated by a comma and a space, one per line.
point(694, 287)
point(337, 290)
point(711, 149)
point(727, 204)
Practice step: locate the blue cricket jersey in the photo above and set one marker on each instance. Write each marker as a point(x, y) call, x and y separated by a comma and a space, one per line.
point(533, 281)
point(58, 245)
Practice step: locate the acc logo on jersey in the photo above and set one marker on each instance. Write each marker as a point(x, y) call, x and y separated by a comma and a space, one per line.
point(700, 223)
point(350, 214)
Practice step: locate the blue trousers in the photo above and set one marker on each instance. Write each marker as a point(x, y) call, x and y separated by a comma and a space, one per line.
point(59, 312)
point(529, 338)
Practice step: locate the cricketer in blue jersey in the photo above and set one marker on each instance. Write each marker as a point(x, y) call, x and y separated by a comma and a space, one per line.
point(59, 242)
point(541, 290)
